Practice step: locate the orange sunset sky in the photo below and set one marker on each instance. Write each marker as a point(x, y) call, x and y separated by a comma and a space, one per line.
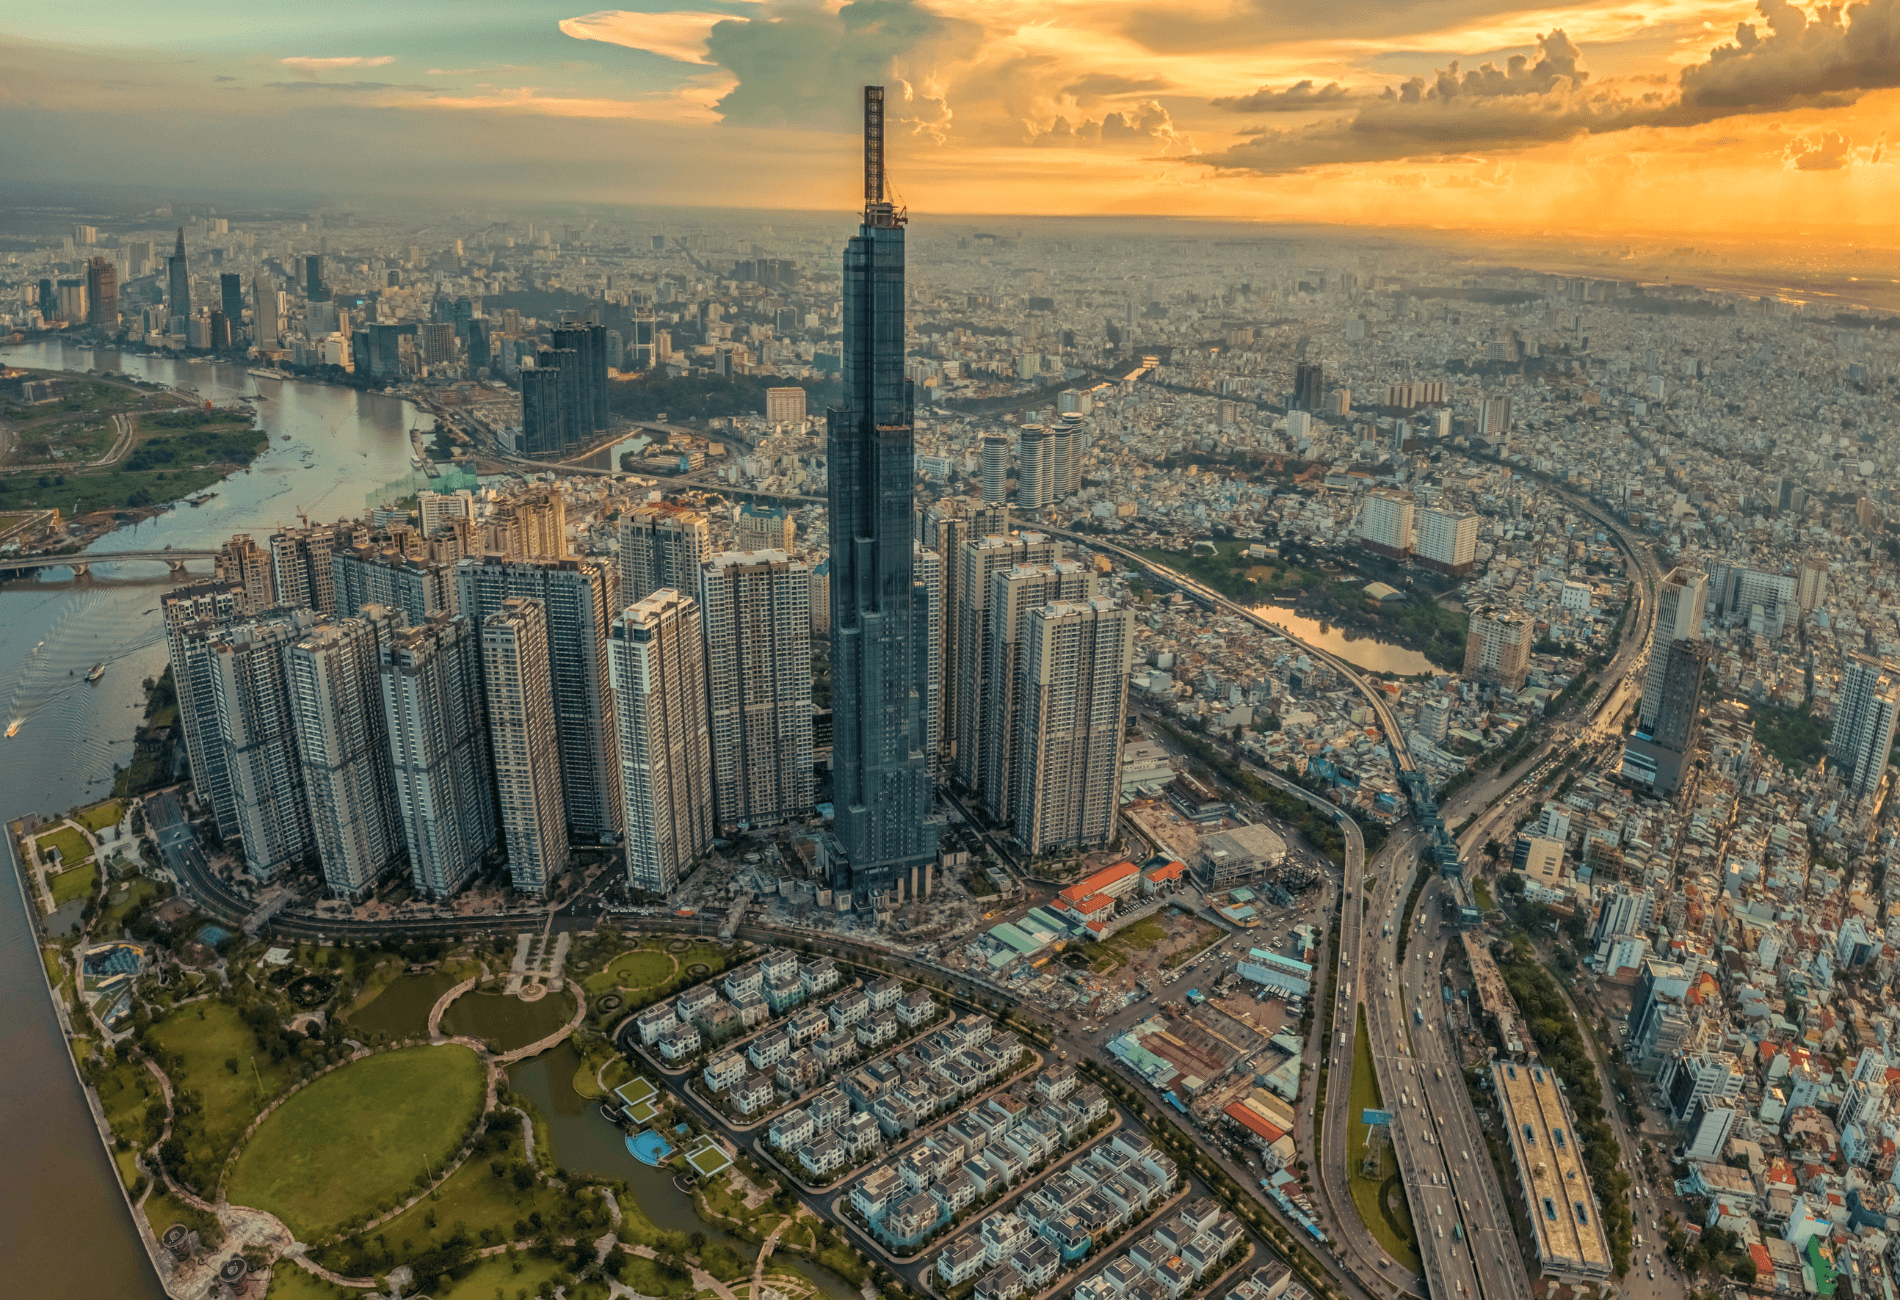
point(1673, 116)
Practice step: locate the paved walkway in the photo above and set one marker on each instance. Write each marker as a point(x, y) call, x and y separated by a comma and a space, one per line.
point(442, 1004)
point(766, 1248)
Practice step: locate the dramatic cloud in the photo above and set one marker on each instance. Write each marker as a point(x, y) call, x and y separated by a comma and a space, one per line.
point(1830, 153)
point(1296, 98)
point(679, 36)
point(792, 68)
point(311, 67)
point(1146, 121)
point(1825, 61)
point(1457, 111)
point(1169, 28)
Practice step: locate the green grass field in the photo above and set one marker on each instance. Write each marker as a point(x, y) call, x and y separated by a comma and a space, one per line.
point(100, 815)
point(161, 1211)
point(488, 1208)
point(70, 843)
point(635, 971)
point(121, 898)
point(79, 882)
point(163, 465)
point(1392, 1229)
point(289, 1282)
point(506, 1275)
point(206, 1035)
point(359, 1136)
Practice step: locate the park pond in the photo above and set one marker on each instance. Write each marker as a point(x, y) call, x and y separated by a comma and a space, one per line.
point(586, 1143)
point(505, 1021)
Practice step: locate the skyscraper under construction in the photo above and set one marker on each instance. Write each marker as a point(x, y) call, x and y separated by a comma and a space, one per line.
point(879, 637)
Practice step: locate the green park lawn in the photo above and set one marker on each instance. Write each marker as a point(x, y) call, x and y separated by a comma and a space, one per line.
point(290, 1282)
point(366, 1131)
point(635, 971)
point(1392, 1229)
point(205, 1035)
point(162, 1211)
point(121, 898)
point(100, 815)
point(487, 1206)
point(500, 1275)
point(70, 843)
point(75, 882)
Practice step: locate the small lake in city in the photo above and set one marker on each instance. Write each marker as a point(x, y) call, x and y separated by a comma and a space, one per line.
point(1355, 648)
point(586, 1143)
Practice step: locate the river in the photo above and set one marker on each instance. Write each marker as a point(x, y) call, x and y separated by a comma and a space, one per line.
point(1361, 651)
point(64, 1229)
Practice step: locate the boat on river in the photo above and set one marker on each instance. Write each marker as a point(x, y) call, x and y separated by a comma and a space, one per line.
point(13, 727)
point(98, 671)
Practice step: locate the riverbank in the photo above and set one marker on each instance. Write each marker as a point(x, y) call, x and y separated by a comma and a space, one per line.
point(101, 448)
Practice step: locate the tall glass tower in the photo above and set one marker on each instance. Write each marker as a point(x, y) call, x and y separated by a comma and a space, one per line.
point(880, 638)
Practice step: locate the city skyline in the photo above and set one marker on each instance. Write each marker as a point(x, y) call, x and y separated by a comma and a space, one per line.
point(1686, 115)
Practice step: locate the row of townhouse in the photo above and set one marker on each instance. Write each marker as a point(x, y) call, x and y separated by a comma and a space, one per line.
point(886, 1097)
point(754, 993)
point(1172, 1259)
point(812, 1046)
point(980, 1153)
point(1091, 1198)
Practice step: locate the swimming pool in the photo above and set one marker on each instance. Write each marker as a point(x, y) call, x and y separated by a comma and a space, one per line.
point(649, 1148)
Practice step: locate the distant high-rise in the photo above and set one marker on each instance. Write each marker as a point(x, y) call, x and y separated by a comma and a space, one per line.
point(300, 566)
point(995, 468)
point(1498, 650)
point(178, 281)
point(1036, 469)
point(945, 528)
point(881, 775)
point(377, 575)
point(929, 568)
point(1494, 417)
point(659, 679)
point(1014, 593)
point(1679, 607)
point(231, 298)
point(244, 564)
point(588, 396)
point(543, 416)
point(1864, 721)
point(522, 735)
point(343, 746)
point(579, 599)
point(1810, 583)
point(1446, 540)
point(661, 546)
point(435, 340)
point(191, 614)
point(1309, 383)
point(756, 607)
point(784, 405)
point(266, 313)
point(438, 745)
point(263, 777)
point(982, 559)
point(763, 528)
point(1654, 755)
point(481, 355)
point(102, 294)
point(1071, 701)
point(1385, 523)
point(314, 288)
